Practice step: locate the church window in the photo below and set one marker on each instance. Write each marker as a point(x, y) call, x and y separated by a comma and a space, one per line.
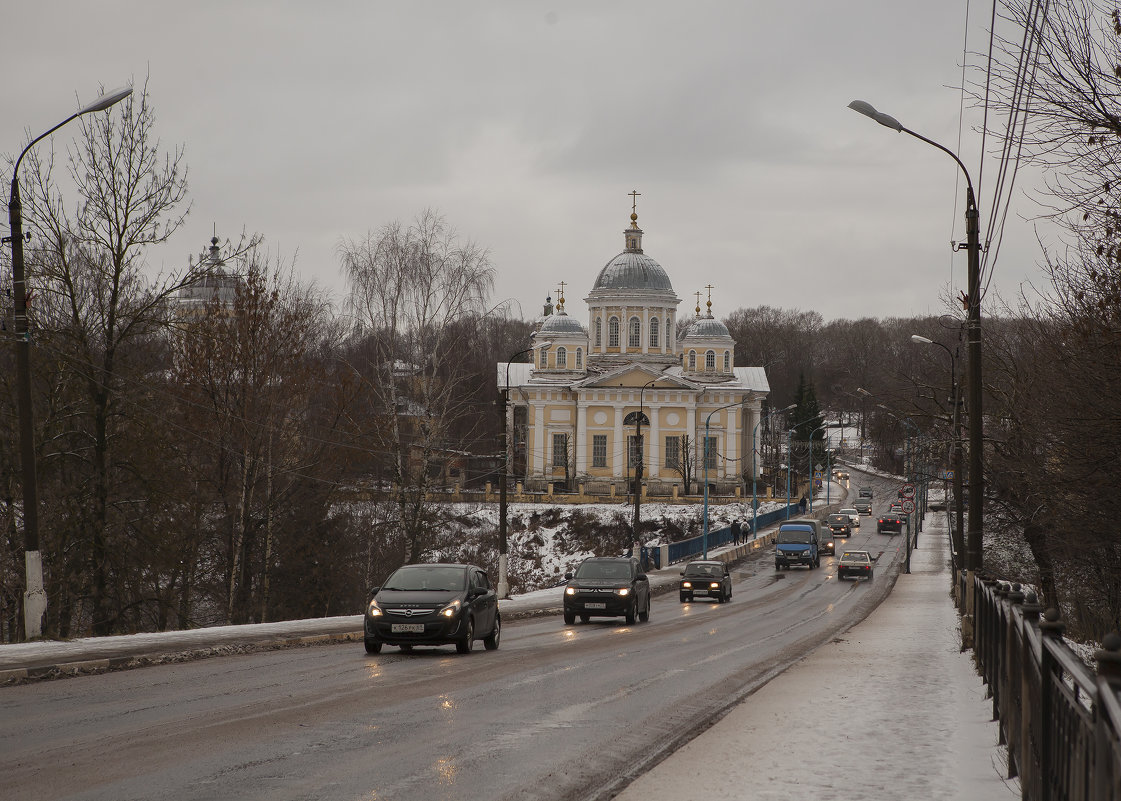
point(599, 450)
point(635, 338)
point(599, 332)
point(692, 360)
point(560, 450)
point(673, 451)
point(579, 358)
point(710, 452)
point(562, 358)
point(654, 332)
point(613, 332)
point(710, 361)
point(544, 358)
point(727, 361)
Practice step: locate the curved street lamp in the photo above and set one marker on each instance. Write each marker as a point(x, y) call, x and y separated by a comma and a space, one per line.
point(704, 450)
point(755, 472)
point(973, 556)
point(34, 596)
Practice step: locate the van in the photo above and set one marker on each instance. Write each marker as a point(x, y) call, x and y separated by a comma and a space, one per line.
point(798, 542)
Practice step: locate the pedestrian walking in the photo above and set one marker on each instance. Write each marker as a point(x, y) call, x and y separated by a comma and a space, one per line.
point(737, 530)
point(802, 505)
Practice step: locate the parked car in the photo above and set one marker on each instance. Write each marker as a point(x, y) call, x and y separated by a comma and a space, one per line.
point(797, 543)
point(855, 564)
point(605, 586)
point(840, 525)
point(890, 524)
point(854, 515)
point(705, 579)
point(433, 604)
point(863, 505)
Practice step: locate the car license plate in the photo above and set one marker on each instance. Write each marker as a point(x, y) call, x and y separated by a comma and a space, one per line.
point(407, 628)
point(595, 605)
point(700, 592)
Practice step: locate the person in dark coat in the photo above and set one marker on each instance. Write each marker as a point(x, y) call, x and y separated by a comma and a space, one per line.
point(737, 530)
point(802, 505)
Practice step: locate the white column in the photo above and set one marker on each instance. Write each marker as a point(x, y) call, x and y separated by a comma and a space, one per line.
point(625, 330)
point(539, 437)
point(655, 438)
point(619, 451)
point(695, 437)
point(644, 329)
point(581, 438)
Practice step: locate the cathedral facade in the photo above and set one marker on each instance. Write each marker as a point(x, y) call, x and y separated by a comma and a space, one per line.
point(625, 394)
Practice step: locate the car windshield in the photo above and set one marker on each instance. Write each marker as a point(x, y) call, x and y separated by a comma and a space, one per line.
point(427, 577)
point(855, 556)
point(603, 570)
point(838, 518)
point(793, 536)
point(702, 570)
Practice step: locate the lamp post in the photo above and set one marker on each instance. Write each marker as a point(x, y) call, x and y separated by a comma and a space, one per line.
point(811, 465)
point(790, 461)
point(955, 423)
point(34, 596)
point(754, 472)
point(638, 465)
point(503, 549)
point(973, 556)
point(704, 450)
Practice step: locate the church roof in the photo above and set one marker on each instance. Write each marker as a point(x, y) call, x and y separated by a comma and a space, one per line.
point(631, 270)
point(561, 324)
point(706, 328)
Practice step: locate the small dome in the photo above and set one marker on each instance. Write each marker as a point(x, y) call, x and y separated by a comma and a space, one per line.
point(631, 270)
point(562, 325)
point(706, 328)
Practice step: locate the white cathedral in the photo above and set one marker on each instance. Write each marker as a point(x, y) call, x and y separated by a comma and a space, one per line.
point(591, 405)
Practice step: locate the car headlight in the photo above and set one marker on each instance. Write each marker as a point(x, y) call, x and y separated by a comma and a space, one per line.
point(373, 610)
point(714, 585)
point(569, 590)
point(623, 591)
point(686, 585)
point(806, 552)
point(452, 609)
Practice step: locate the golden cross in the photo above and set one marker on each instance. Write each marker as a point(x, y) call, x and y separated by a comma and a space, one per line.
point(635, 195)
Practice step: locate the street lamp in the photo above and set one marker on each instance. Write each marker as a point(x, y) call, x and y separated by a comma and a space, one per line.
point(955, 422)
point(790, 460)
point(973, 556)
point(821, 427)
point(503, 549)
point(34, 596)
point(639, 452)
point(754, 472)
point(704, 450)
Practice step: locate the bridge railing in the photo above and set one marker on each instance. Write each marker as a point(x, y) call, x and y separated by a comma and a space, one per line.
point(1059, 719)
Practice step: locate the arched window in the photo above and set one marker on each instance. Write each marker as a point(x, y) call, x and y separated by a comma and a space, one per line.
point(653, 332)
point(727, 361)
point(544, 358)
point(710, 361)
point(613, 332)
point(692, 360)
point(599, 333)
point(579, 358)
point(562, 358)
point(634, 340)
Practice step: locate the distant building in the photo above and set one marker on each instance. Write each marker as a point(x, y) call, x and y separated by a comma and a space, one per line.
point(574, 414)
point(218, 284)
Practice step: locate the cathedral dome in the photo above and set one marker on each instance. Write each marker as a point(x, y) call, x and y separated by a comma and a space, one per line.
point(561, 324)
point(706, 328)
point(633, 270)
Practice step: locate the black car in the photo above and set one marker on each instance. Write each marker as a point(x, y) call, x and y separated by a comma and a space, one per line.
point(890, 523)
point(705, 579)
point(604, 586)
point(433, 604)
point(840, 525)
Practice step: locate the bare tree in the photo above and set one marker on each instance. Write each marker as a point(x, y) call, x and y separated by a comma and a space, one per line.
point(411, 288)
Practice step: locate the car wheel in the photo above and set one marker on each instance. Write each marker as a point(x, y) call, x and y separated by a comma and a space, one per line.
point(644, 615)
point(373, 647)
point(778, 566)
point(569, 618)
point(491, 642)
point(585, 618)
point(682, 597)
point(630, 616)
point(406, 649)
point(465, 645)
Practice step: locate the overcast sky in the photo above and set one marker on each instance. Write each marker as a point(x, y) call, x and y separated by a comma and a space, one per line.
point(528, 124)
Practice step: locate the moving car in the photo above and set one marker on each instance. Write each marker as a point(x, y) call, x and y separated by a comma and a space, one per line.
point(890, 523)
point(605, 586)
point(705, 579)
point(863, 505)
point(840, 525)
point(797, 543)
point(853, 515)
point(864, 492)
point(433, 604)
point(895, 508)
point(855, 564)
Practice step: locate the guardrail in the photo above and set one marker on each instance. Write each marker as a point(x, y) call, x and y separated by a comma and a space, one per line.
point(1060, 721)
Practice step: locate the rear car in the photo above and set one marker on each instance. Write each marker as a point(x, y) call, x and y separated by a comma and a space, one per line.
point(854, 515)
point(890, 523)
point(705, 579)
point(840, 525)
point(604, 586)
point(854, 565)
point(433, 604)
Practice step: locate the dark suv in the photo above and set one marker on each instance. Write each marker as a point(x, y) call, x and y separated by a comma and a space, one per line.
point(891, 523)
point(434, 604)
point(840, 525)
point(605, 586)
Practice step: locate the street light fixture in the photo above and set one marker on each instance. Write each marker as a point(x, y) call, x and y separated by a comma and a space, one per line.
point(973, 557)
point(639, 455)
point(955, 422)
point(754, 471)
point(704, 450)
point(34, 596)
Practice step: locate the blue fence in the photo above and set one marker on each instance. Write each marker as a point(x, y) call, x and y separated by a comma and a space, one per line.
point(695, 546)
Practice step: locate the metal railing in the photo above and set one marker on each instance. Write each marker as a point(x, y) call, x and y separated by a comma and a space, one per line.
point(1059, 719)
